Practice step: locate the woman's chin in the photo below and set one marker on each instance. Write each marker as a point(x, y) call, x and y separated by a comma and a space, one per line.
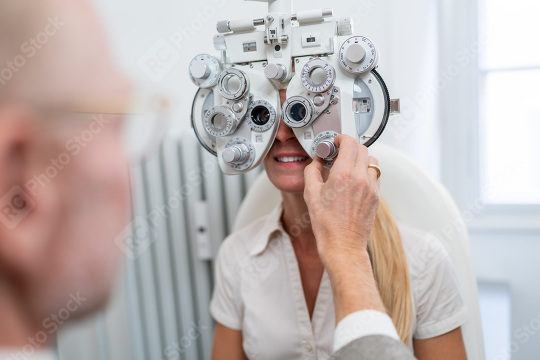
point(289, 183)
point(292, 187)
point(286, 176)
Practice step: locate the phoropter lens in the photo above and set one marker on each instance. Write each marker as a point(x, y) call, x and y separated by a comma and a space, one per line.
point(231, 84)
point(219, 122)
point(260, 115)
point(298, 112)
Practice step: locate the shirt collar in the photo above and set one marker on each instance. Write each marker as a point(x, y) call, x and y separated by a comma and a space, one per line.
point(271, 226)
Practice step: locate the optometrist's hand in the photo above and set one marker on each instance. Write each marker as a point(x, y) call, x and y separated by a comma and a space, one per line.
point(342, 203)
point(342, 208)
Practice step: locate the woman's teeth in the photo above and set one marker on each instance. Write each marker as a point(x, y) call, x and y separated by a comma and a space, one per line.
point(291, 158)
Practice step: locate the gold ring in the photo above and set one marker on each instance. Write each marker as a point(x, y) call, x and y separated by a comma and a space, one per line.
point(376, 169)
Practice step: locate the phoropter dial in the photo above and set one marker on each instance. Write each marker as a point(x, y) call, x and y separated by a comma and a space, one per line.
point(204, 71)
point(358, 55)
point(318, 76)
point(220, 121)
point(239, 153)
point(233, 84)
point(324, 147)
point(261, 115)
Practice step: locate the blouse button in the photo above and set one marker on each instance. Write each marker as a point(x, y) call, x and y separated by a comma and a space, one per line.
point(308, 347)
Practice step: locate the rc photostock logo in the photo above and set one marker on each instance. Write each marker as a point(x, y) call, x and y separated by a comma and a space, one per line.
point(29, 49)
point(14, 207)
point(164, 54)
point(159, 59)
point(136, 238)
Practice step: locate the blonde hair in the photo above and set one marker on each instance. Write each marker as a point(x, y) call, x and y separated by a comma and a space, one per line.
point(391, 271)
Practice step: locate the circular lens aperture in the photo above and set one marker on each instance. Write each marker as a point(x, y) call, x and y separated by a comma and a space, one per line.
point(231, 84)
point(260, 115)
point(298, 112)
point(218, 121)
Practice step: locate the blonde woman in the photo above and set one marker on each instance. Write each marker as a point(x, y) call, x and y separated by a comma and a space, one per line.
point(273, 297)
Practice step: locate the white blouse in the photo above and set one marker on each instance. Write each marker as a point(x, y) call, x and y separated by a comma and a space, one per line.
point(258, 290)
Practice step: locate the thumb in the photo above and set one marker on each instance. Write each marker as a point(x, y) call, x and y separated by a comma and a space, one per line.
point(313, 172)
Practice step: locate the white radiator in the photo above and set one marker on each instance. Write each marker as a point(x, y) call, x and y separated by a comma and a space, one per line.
point(183, 208)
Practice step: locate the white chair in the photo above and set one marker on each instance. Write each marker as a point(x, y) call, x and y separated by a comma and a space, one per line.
point(416, 199)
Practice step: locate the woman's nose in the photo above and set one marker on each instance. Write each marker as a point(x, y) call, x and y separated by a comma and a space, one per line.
point(284, 132)
point(282, 96)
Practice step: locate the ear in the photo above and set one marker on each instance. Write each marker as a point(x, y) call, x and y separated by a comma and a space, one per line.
point(21, 239)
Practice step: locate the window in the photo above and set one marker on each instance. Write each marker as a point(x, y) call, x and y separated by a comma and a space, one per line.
point(509, 101)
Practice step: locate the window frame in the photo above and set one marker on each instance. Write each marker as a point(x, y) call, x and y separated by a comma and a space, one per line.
point(460, 165)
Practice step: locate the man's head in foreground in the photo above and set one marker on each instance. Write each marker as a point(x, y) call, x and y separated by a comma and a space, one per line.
point(63, 175)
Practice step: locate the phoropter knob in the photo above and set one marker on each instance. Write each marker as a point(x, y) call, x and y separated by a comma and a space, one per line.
point(204, 71)
point(275, 72)
point(199, 70)
point(326, 150)
point(356, 53)
point(235, 154)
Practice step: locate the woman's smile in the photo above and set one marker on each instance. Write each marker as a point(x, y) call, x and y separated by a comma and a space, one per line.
point(289, 160)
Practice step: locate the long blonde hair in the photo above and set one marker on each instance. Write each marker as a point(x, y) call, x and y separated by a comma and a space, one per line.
point(390, 270)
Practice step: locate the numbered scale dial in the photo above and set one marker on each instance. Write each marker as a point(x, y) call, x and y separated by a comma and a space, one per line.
point(220, 121)
point(318, 76)
point(239, 153)
point(358, 55)
point(324, 142)
point(204, 71)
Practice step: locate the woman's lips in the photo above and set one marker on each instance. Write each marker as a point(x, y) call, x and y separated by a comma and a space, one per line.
point(290, 159)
